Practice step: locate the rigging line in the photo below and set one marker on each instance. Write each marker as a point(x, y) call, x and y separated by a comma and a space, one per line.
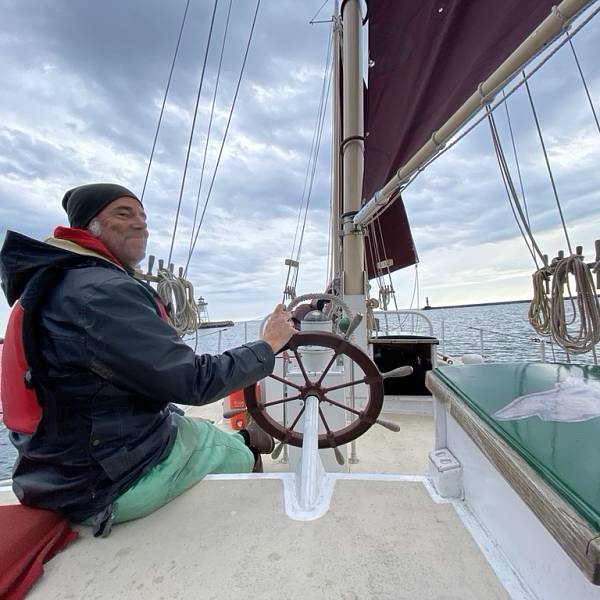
point(516, 86)
point(514, 147)
point(387, 267)
point(317, 13)
point(315, 163)
point(377, 239)
point(539, 130)
point(376, 254)
point(189, 148)
point(313, 143)
point(418, 286)
point(210, 121)
point(164, 102)
point(212, 182)
point(415, 285)
point(328, 276)
point(587, 91)
point(510, 190)
point(375, 257)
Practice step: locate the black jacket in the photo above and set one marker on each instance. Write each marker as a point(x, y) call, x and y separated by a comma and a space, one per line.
point(109, 368)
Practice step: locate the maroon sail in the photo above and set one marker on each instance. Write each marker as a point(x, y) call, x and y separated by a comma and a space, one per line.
point(389, 244)
point(426, 58)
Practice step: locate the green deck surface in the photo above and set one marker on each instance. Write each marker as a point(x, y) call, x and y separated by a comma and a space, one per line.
point(566, 455)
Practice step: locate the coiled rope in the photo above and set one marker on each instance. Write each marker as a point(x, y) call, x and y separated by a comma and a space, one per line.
point(178, 293)
point(539, 309)
point(586, 312)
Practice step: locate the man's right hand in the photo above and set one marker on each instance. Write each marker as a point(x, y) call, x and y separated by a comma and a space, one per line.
point(278, 329)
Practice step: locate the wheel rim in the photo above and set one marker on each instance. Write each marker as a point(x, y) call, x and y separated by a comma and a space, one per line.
point(365, 418)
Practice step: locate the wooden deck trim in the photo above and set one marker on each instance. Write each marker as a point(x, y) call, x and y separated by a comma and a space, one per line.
point(576, 537)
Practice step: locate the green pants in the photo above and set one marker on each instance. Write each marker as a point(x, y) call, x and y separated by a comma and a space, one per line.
point(200, 448)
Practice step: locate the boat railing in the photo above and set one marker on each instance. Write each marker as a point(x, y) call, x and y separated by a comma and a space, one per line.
point(217, 332)
point(384, 317)
point(458, 339)
point(455, 338)
point(489, 340)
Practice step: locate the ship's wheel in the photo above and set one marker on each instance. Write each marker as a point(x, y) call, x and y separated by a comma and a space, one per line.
point(331, 438)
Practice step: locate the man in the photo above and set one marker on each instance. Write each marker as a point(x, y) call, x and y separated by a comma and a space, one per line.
point(105, 366)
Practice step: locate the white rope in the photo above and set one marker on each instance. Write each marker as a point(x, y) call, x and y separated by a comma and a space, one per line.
point(586, 312)
point(539, 309)
point(179, 294)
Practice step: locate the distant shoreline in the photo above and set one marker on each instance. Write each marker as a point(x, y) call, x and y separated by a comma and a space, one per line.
point(477, 304)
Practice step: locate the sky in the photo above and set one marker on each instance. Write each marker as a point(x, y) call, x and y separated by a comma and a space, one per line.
point(82, 87)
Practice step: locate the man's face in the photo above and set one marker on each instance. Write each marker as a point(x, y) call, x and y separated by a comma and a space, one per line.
point(123, 230)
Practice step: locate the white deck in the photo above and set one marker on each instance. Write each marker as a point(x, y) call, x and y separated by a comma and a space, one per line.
point(386, 535)
point(231, 539)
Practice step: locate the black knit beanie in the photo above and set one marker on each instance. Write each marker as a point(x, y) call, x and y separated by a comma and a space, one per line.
point(83, 203)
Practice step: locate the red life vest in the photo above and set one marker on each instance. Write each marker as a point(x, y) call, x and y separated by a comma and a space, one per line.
point(21, 409)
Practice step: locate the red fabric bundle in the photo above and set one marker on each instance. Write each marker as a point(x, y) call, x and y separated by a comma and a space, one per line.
point(30, 537)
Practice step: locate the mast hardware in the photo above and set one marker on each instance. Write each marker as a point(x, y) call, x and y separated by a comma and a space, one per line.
point(360, 139)
point(348, 225)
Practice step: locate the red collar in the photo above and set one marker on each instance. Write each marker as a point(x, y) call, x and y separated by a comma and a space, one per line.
point(83, 238)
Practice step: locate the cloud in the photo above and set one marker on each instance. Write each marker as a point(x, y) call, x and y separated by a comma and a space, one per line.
point(83, 85)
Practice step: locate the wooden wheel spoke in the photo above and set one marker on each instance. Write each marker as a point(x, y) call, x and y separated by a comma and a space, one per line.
point(286, 382)
point(342, 406)
point(299, 360)
point(326, 369)
point(281, 401)
point(344, 385)
point(291, 427)
point(324, 421)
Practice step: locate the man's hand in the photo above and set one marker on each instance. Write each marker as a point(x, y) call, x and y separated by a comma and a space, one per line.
point(278, 328)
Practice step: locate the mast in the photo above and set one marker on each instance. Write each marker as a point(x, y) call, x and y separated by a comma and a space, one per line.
point(352, 146)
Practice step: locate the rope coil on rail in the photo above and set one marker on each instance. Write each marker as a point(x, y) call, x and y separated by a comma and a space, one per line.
point(178, 293)
point(539, 309)
point(587, 307)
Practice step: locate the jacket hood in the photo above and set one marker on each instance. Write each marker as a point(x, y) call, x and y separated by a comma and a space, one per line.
point(22, 258)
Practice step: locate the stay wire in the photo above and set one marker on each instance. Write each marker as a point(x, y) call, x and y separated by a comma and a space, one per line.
point(189, 148)
point(511, 191)
point(312, 146)
point(212, 182)
point(209, 129)
point(164, 102)
point(314, 170)
point(514, 147)
point(541, 137)
point(320, 9)
point(587, 91)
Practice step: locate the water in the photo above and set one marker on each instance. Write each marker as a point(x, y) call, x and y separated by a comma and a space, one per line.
point(498, 332)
